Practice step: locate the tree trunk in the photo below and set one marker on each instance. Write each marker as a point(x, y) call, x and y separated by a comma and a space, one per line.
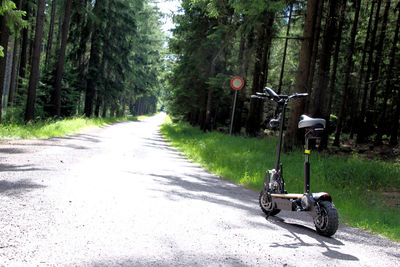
point(321, 91)
point(395, 119)
point(14, 70)
point(61, 59)
point(332, 86)
point(59, 33)
point(104, 111)
point(382, 126)
point(348, 69)
point(322, 94)
point(34, 77)
point(292, 137)
point(355, 120)
point(266, 54)
point(285, 49)
point(94, 61)
point(93, 72)
point(24, 48)
point(4, 35)
point(316, 38)
point(362, 134)
point(207, 122)
point(376, 76)
point(51, 32)
point(254, 118)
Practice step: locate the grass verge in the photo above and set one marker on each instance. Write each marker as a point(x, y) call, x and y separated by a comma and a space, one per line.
point(54, 127)
point(358, 187)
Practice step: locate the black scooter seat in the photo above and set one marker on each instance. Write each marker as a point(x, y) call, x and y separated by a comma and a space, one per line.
point(308, 122)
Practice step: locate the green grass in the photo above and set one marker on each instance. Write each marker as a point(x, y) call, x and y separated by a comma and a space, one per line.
point(356, 185)
point(54, 127)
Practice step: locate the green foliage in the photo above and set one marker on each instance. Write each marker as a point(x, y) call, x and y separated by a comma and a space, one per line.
point(15, 21)
point(356, 185)
point(200, 44)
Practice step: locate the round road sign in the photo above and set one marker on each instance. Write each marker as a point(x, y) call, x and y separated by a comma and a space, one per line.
point(237, 83)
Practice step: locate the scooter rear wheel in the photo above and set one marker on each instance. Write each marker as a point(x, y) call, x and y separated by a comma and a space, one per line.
point(266, 204)
point(327, 221)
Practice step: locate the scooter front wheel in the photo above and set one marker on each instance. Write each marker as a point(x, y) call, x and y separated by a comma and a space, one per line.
point(266, 204)
point(327, 221)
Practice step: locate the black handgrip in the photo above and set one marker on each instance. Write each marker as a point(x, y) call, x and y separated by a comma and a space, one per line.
point(261, 94)
point(302, 95)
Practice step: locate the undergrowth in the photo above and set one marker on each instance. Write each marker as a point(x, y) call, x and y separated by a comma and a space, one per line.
point(356, 185)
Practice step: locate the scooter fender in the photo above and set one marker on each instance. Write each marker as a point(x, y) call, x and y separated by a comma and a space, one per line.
point(321, 196)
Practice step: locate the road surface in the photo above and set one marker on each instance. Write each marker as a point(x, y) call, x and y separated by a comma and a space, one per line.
point(120, 196)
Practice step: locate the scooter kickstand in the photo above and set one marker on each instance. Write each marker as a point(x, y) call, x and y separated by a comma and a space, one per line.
point(267, 216)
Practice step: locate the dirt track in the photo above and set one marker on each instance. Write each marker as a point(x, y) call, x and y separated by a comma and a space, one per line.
point(120, 195)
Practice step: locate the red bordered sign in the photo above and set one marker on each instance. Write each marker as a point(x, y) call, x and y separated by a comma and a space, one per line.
point(237, 83)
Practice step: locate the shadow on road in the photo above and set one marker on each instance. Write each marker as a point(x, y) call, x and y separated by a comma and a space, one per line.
point(19, 168)
point(17, 187)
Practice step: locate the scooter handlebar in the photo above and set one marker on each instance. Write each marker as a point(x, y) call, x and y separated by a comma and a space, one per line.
point(275, 97)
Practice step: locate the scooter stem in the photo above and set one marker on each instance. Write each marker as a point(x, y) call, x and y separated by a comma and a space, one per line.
point(281, 124)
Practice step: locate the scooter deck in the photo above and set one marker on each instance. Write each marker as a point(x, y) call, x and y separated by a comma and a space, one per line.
point(289, 196)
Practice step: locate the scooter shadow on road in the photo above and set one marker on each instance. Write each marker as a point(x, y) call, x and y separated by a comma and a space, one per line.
point(295, 230)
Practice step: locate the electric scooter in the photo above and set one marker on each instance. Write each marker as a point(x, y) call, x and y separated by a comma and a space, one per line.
point(273, 197)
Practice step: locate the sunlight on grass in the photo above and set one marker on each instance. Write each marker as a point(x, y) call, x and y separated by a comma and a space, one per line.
point(354, 184)
point(54, 128)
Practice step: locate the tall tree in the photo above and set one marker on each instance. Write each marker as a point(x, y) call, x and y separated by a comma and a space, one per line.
point(34, 72)
point(23, 61)
point(285, 48)
point(260, 73)
point(51, 32)
point(362, 129)
point(61, 59)
point(314, 55)
point(4, 35)
point(348, 69)
point(323, 93)
point(355, 119)
point(376, 73)
point(94, 61)
point(292, 137)
point(388, 89)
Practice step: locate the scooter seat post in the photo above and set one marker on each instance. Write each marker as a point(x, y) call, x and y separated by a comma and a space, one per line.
point(307, 168)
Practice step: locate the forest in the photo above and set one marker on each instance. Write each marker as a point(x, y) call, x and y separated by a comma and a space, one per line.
point(343, 53)
point(62, 58)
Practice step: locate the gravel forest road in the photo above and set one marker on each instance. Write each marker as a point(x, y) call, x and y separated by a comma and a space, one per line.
point(120, 196)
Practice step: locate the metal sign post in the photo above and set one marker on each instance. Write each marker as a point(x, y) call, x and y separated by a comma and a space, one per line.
point(237, 83)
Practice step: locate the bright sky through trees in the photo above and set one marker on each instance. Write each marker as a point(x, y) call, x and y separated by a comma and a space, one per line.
point(168, 7)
